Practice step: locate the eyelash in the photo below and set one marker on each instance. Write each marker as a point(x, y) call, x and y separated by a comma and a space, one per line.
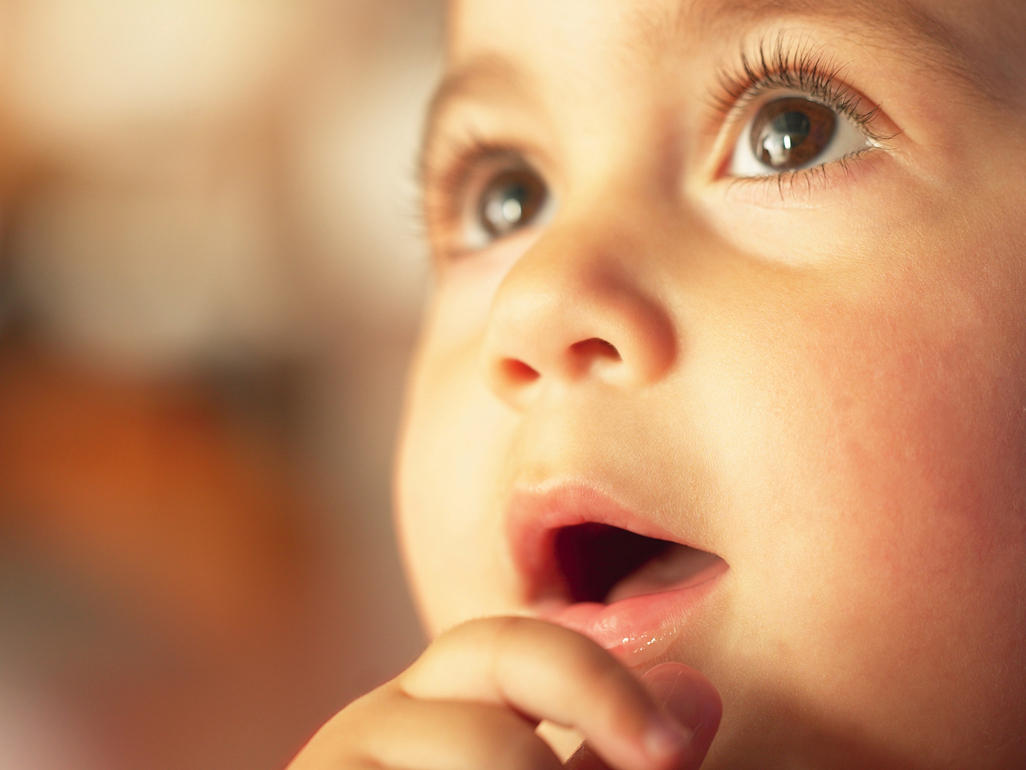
point(780, 66)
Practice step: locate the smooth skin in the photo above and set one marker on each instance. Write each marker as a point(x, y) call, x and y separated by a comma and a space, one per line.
point(820, 377)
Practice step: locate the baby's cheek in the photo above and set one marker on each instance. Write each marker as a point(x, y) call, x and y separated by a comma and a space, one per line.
point(451, 456)
point(924, 497)
point(889, 511)
point(926, 434)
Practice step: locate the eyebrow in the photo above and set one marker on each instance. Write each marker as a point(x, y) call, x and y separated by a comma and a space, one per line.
point(923, 38)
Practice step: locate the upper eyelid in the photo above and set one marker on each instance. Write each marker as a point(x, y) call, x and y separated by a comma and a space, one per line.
point(453, 146)
point(449, 167)
point(781, 62)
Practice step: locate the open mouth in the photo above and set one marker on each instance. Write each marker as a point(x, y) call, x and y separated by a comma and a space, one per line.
point(590, 564)
point(602, 563)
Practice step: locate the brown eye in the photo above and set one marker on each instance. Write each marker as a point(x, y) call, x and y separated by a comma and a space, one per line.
point(791, 132)
point(511, 200)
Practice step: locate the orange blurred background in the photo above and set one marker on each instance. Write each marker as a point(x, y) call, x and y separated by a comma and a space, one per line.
point(210, 279)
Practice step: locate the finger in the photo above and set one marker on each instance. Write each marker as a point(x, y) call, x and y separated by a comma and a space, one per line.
point(403, 732)
point(689, 698)
point(692, 700)
point(549, 672)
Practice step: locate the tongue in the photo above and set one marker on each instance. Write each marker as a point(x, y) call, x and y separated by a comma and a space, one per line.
point(676, 567)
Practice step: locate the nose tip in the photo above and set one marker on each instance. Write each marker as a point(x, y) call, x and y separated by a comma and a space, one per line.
point(603, 330)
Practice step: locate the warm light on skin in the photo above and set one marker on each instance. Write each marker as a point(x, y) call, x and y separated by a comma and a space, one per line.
point(822, 382)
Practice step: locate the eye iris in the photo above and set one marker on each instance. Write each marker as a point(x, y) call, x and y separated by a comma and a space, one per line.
point(790, 132)
point(511, 200)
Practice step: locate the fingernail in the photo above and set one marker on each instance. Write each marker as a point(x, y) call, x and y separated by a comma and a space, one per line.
point(666, 738)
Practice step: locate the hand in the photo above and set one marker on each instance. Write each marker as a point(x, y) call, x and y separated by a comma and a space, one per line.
point(476, 695)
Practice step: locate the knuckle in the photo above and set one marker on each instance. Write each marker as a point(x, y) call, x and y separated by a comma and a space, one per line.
point(478, 631)
point(507, 637)
point(512, 630)
point(470, 635)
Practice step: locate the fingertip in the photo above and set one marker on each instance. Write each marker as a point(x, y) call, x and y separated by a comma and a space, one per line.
point(691, 701)
point(666, 738)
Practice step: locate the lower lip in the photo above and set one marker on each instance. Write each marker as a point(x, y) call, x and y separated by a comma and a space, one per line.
point(639, 629)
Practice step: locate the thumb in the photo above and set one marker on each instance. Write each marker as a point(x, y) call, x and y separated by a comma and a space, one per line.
point(689, 698)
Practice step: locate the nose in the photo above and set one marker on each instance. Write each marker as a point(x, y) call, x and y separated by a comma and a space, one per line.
point(574, 310)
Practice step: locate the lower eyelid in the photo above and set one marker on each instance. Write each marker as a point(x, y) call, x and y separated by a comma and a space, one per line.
point(810, 188)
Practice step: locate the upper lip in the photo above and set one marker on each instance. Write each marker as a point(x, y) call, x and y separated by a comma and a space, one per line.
point(536, 515)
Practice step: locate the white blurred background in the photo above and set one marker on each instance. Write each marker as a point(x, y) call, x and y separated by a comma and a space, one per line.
point(210, 278)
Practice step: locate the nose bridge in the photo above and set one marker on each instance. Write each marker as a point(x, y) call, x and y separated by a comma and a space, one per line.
point(576, 307)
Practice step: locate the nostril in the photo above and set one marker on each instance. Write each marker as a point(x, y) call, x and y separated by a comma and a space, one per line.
point(510, 375)
point(595, 348)
point(516, 372)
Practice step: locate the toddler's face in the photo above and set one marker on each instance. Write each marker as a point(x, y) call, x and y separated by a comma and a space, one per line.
point(749, 277)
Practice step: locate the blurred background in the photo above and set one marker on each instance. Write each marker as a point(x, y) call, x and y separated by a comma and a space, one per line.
point(210, 279)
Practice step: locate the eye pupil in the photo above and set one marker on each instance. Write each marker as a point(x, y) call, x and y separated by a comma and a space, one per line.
point(793, 128)
point(788, 133)
point(510, 201)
